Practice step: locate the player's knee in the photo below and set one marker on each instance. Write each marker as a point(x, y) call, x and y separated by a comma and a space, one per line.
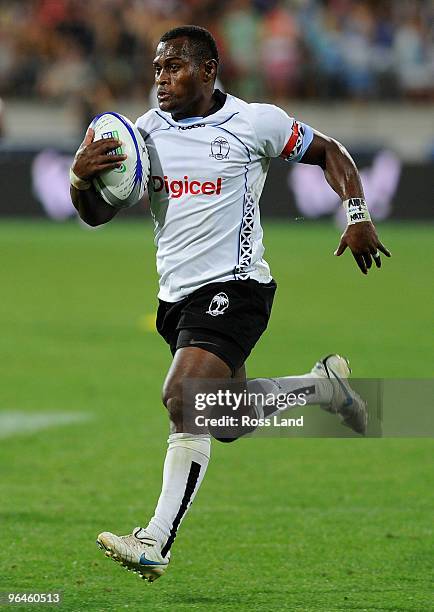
point(175, 409)
point(172, 399)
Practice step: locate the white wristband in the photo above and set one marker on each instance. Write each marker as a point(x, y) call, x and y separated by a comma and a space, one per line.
point(356, 210)
point(77, 182)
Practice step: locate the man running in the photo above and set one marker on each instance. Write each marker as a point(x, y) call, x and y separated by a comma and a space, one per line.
point(210, 154)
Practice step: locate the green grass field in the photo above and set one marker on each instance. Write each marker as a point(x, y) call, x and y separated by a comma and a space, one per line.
point(279, 524)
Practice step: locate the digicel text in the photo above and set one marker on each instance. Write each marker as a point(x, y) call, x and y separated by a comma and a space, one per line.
point(176, 188)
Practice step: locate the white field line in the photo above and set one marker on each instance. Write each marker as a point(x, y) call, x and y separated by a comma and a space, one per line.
point(14, 423)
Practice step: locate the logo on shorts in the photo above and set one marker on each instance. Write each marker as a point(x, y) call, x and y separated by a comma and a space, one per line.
point(218, 304)
point(220, 148)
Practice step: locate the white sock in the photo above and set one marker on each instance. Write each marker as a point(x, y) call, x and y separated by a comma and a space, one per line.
point(315, 390)
point(184, 468)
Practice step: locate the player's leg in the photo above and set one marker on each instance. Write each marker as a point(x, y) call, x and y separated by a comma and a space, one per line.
point(325, 385)
point(188, 453)
point(189, 363)
point(147, 550)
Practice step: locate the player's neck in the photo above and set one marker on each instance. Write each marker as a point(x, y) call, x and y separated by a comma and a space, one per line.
point(201, 108)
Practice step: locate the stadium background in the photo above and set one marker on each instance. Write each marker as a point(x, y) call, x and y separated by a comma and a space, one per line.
point(345, 522)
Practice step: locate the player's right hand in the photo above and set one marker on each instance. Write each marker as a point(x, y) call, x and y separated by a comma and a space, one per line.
point(94, 157)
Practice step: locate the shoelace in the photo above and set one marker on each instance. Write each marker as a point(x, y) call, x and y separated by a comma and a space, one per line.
point(136, 542)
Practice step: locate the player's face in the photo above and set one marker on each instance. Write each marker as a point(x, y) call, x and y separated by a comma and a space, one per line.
point(178, 77)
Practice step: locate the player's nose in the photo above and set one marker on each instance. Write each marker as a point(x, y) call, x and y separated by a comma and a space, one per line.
point(162, 78)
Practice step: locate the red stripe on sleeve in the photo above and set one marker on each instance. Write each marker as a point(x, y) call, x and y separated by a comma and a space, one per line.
point(291, 142)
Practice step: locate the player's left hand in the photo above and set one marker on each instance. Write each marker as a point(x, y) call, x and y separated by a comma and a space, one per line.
point(364, 243)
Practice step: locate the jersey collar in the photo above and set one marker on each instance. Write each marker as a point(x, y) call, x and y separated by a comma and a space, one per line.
point(219, 102)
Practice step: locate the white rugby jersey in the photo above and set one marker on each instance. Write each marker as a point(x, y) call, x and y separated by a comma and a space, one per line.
point(207, 176)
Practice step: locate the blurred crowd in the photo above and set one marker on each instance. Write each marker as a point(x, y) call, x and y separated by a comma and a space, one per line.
point(94, 50)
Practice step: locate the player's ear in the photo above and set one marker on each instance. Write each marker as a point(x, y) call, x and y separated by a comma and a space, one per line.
point(210, 70)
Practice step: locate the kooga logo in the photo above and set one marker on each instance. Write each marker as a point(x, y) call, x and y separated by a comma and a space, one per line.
point(177, 187)
point(191, 127)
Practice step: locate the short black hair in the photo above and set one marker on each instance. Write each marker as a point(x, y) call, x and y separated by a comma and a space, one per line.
point(202, 41)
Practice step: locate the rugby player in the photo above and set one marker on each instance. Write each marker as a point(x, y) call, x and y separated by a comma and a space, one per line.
point(210, 154)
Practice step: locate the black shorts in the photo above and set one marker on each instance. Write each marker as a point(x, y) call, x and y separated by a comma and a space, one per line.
point(226, 319)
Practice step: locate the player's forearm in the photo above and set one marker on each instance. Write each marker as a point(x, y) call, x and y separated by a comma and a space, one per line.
point(339, 168)
point(91, 207)
point(91, 159)
point(341, 172)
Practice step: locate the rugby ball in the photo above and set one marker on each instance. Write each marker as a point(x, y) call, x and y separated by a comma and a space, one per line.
point(122, 187)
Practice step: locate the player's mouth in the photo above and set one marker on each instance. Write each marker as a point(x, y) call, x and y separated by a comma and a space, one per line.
point(163, 96)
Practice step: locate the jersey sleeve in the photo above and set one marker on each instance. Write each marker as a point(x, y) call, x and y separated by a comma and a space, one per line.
point(280, 135)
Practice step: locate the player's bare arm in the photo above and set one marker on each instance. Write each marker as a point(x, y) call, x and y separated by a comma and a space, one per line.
point(91, 159)
point(342, 175)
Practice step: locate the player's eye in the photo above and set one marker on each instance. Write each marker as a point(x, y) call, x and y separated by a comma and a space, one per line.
point(174, 67)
